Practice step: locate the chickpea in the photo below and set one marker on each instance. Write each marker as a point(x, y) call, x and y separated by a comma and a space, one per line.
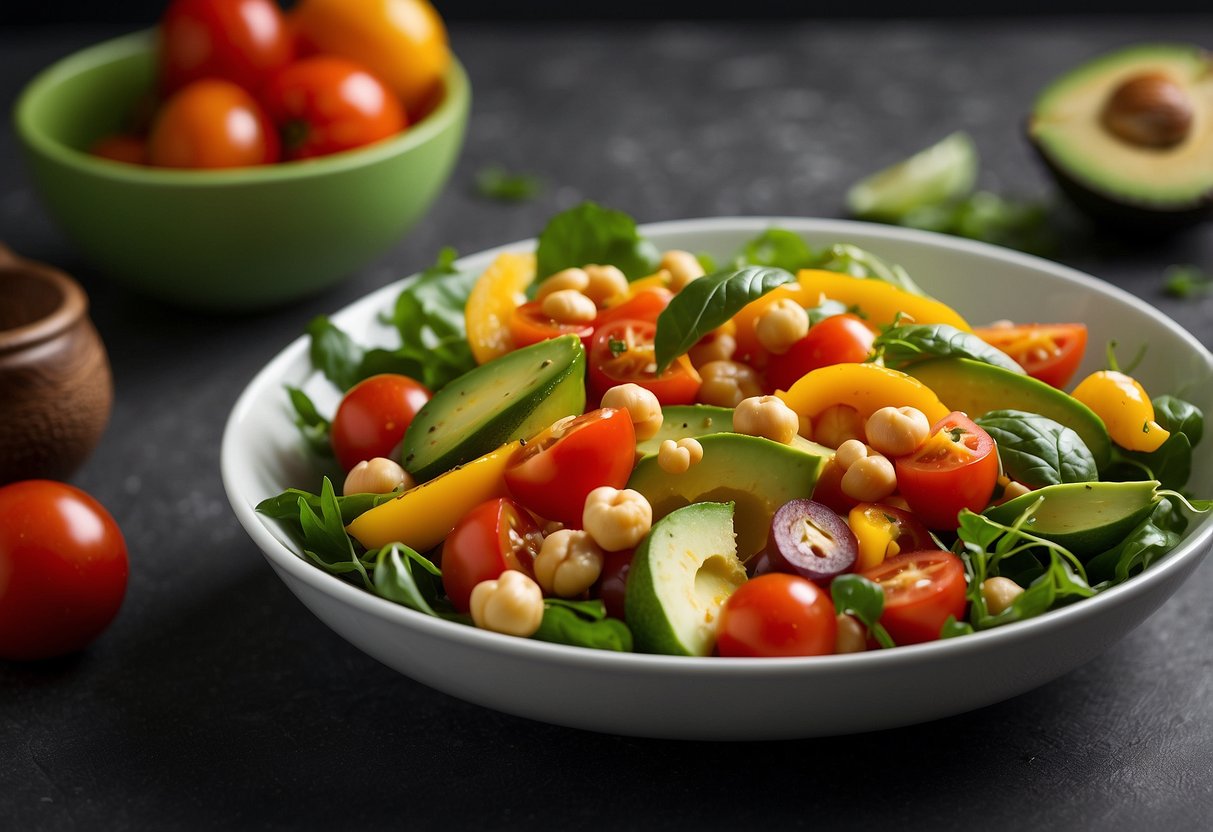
point(782, 324)
point(568, 563)
point(766, 416)
point(616, 519)
point(726, 383)
point(568, 306)
point(683, 267)
point(575, 279)
point(719, 346)
point(641, 405)
point(897, 431)
point(376, 476)
point(852, 636)
point(678, 457)
point(869, 480)
point(836, 424)
point(999, 593)
point(512, 604)
point(605, 282)
point(850, 452)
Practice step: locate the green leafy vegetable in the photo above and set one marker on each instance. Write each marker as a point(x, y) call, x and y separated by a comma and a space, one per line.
point(407, 578)
point(324, 540)
point(1171, 462)
point(582, 624)
point(334, 353)
point(1186, 282)
point(707, 303)
point(856, 595)
point(285, 506)
point(901, 346)
point(1175, 414)
point(314, 427)
point(858, 262)
point(953, 628)
point(1037, 451)
point(590, 233)
point(1153, 538)
point(778, 249)
point(497, 183)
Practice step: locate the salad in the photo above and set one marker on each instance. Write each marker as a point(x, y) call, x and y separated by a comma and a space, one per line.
point(794, 453)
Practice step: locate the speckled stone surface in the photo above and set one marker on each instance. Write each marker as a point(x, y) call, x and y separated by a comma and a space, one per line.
point(216, 700)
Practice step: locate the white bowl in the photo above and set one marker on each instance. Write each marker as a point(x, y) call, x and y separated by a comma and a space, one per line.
point(745, 699)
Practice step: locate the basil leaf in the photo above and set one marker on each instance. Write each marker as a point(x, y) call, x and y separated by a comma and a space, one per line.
point(776, 248)
point(707, 303)
point(590, 233)
point(406, 578)
point(856, 595)
point(902, 346)
point(582, 624)
point(1037, 451)
point(314, 427)
point(334, 353)
point(1175, 414)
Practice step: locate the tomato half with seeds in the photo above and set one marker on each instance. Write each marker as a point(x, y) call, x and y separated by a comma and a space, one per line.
point(777, 615)
point(956, 468)
point(557, 469)
point(921, 589)
point(622, 351)
point(1048, 352)
point(529, 324)
point(495, 536)
point(839, 339)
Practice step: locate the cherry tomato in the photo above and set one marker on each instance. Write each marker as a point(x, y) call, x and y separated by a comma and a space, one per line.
point(212, 124)
point(242, 41)
point(622, 351)
point(612, 584)
point(557, 469)
point(777, 615)
point(529, 324)
point(1048, 352)
point(326, 105)
point(839, 339)
point(956, 468)
point(495, 536)
point(121, 147)
point(373, 416)
point(63, 569)
point(921, 589)
point(645, 305)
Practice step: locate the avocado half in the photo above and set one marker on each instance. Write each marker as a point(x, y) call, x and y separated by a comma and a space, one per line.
point(1129, 136)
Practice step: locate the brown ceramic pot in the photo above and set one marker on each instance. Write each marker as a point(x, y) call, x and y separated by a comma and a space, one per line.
point(55, 384)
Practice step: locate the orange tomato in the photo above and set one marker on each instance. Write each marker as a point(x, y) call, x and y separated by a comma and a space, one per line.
point(212, 124)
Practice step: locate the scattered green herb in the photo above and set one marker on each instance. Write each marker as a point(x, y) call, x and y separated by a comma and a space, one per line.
point(497, 183)
point(1186, 282)
point(617, 347)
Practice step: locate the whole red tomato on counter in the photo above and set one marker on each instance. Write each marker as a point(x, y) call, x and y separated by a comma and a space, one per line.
point(212, 124)
point(242, 41)
point(63, 569)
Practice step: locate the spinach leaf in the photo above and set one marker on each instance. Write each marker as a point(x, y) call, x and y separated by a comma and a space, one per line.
point(1036, 451)
point(407, 578)
point(856, 595)
point(590, 233)
point(1175, 414)
point(776, 248)
point(334, 353)
point(707, 303)
point(582, 624)
point(314, 427)
point(499, 184)
point(1143, 546)
point(904, 345)
point(285, 506)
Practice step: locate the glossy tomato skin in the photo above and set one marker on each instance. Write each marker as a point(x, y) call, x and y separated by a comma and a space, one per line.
point(495, 536)
point(921, 590)
point(558, 468)
point(212, 124)
point(1048, 352)
point(679, 384)
point(838, 339)
point(326, 105)
point(956, 468)
point(242, 41)
point(529, 324)
point(777, 615)
point(373, 416)
point(63, 569)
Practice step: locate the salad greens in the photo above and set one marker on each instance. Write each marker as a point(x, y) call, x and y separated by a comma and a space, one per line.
point(1037, 451)
point(856, 595)
point(1171, 462)
point(901, 346)
point(787, 250)
point(590, 233)
point(582, 624)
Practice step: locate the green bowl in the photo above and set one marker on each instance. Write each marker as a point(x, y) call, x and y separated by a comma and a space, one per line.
point(237, 239)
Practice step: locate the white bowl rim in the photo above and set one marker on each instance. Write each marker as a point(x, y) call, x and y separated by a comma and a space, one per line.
point(281, 557)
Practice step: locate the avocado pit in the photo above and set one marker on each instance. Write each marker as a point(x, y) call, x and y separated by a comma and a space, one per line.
point(1149, 110)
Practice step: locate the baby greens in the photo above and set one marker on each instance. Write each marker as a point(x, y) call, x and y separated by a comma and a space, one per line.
point(590, 233)
point(783, 249)
point(1037, 451)
point(582, 624)
point(901, 346)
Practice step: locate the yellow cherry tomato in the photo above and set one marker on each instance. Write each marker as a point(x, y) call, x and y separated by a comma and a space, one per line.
point(865, 387)
point(1125, 408)
point(497, 293)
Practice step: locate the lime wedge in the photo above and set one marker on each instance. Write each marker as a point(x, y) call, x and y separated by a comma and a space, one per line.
point(943, 172)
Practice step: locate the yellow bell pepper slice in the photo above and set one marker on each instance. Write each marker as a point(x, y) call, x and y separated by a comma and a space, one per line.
point(880, 302)
point(423, 516)
point(497, 293)
point(1125, 408)
point(865, 387)
point(875, 533)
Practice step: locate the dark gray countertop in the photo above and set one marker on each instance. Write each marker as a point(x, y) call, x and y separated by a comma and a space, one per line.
point(217, 700)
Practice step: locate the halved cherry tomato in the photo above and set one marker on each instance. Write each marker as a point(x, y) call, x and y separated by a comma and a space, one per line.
point(777, 615)
point(242, 41)
point(622, 352)
point(921, 589)
point(839, 339)
point(1049, 352)
point(529, 324)
point(558, 468)
point(373, 416)
point(645, 305)
point(495, 536)
point(212, 124)
point(885, 531)
point(956, 468)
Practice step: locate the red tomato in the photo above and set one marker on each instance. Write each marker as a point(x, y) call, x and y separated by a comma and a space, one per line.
point(530, 325)
point(326, 105)
point(956, 468)
point(777, 615)
point(645, 305)
point(63, 569)
point(121, 147)
point(495, 536)
point(622, 352)
point(212, 124)
point(839, 339)
point(557, 469)
point(1049, 352)
point(373, 416)
point(612, 584)
point(242, 41)
point(921, 589)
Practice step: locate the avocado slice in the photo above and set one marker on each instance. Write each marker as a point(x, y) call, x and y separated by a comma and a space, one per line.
point(1085, 517)
point(697, 420)
point(976, 389)
point(756, 474)
point(681, 576)
point(1129, 135)
point(512, 397)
